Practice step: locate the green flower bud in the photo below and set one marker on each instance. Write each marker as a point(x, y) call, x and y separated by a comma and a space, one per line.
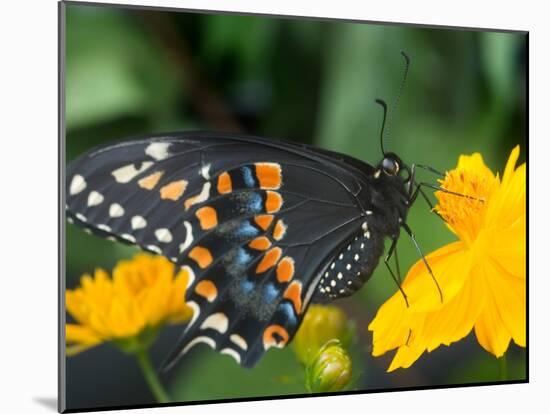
point(330, 370)
point(320, 325)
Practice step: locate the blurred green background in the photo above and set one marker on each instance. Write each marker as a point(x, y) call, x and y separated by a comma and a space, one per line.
point(137, 72)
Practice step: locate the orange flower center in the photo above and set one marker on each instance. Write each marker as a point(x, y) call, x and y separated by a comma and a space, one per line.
point(464, 210)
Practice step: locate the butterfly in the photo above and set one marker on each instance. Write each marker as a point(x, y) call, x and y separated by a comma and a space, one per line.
point(263, 227)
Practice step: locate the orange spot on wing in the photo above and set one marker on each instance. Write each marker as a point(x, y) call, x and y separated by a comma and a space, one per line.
point(273, 201)
point(294, 293)
point(207, 217)
point(207, 289)
point(150, 181)
point(275, 335)
point(190, 201)
point(224, 183)
point(268, 174)
point(260, 243)
point(201, 255)
point(279, 230)
point(285, 269)
point(270, 259)
point(264, 221)
point(174, 190)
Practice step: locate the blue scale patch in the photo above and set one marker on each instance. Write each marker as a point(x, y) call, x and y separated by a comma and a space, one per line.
point(236, 261)
point(288, 311)
point(247, 230)
point(242, 257)
point(270, 292)
point(248, 202)
point(248, 177)
point(247, 286)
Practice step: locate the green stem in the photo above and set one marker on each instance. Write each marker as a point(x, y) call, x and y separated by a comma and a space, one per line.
point(151, 376)
point(502, 368)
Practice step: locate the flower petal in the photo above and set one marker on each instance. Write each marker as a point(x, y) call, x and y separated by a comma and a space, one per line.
point(178, 310)
point(509, 249)
point(391, 325)
point(75, 306)
point(511, 164)
point(394, 322)
point(406, 355)
point(81, 334)
point(508, 203)
point(473, 162)
point(510, 300)
point(450, 266)
point(490, 331)
point(456, 319)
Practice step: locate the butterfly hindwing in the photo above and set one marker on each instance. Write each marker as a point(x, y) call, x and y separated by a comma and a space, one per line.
point(255, 223)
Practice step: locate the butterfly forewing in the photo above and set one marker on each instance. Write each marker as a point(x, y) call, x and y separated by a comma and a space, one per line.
point(254, 222)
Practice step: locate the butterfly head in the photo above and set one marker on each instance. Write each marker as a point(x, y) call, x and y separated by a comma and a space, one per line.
point(389, 192)
point(390, 164)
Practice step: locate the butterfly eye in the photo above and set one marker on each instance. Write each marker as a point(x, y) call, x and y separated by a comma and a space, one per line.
point(390, 166)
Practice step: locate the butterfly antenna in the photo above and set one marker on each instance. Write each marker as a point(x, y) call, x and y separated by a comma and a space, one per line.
point(401, 87)
point(385, 108)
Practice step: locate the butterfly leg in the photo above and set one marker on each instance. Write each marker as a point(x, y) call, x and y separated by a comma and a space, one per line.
point(443, 190)
point(430, 169)
point(417, 191)
point(419, 250)
point(397, 267)
point(413, 194)
point(414, 191)
point(397, 279)
point(412, 174)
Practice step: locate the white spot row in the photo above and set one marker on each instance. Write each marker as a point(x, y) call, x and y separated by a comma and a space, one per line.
point(78, 184)
point(158, 150)
point(116, 210)
point(104, 227)
point(153, 248)
point(188, 237)
point(128, 237)
point(128, 172)
point(163, 235)
point(205, 172)
point(95, 198)
point(239, 341)
point(138, 222)
point(217, 321)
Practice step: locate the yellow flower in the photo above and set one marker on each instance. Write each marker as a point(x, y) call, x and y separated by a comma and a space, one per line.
point(482, 275)
point(143, 295)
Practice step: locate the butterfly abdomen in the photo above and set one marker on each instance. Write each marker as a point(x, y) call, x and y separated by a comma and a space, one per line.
point(352, 266)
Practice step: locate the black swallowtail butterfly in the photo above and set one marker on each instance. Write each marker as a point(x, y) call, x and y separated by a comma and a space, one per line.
point(263, 227)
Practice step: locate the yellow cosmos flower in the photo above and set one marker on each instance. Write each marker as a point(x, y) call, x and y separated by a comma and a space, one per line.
point(482, 275)
point(143, 295)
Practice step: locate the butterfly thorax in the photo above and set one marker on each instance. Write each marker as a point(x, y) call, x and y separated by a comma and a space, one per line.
point(389, 201)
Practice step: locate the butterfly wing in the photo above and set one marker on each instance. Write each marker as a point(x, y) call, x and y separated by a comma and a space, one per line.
point(254, 222)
